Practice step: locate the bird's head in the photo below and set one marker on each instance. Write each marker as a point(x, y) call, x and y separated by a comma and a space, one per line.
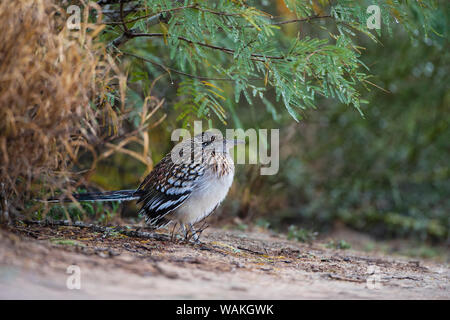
point(206, 144)
point(214, 141)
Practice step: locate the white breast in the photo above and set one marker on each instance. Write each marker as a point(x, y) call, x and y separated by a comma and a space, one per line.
point(204, 199)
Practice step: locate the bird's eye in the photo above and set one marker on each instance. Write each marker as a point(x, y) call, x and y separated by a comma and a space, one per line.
point(208, 142)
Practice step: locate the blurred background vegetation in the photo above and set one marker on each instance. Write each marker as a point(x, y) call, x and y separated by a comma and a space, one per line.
point(384, 172)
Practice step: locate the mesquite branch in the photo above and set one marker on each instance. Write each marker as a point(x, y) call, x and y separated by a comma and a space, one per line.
point(160, 16)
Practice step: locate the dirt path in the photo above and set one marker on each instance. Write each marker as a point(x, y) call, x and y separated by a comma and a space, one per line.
point(228, 265)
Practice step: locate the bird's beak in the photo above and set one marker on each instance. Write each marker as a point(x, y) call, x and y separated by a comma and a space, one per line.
point(230, 143)
point(233, 142)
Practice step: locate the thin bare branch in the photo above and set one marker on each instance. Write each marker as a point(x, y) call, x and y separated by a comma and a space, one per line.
point(169, 69)
point(256, 56)
point(105, 2)
point(150, 15)
point(299, 20)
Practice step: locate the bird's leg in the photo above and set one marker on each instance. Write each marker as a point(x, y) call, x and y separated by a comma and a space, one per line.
point(173, 231)
point(183, 230)
point(194, 233)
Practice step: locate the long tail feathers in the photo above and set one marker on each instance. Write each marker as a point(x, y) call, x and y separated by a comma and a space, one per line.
point(120, 195)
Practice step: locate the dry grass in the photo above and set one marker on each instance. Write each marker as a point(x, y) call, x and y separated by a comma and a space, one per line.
point(48, 77)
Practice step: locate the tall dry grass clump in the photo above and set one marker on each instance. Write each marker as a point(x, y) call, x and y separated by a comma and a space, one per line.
point(52, 95)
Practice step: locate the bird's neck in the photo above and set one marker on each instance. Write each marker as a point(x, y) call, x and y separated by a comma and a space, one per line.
point(221, 164)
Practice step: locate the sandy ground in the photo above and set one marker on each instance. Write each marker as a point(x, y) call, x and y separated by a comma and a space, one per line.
point(34, 261)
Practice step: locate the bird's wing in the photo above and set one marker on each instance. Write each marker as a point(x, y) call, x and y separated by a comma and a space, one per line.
point(166, 188)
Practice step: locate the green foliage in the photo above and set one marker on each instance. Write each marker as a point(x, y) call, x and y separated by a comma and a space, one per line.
point(87, 210)
point(424, 251)
point(106, 215)
point(66, 242)
point(210, 51)
point(341, 244)
point(233, 62)
point(59, 212)
point(387, 173)
point(263, 223)
point(242, 226)
point(302, 235)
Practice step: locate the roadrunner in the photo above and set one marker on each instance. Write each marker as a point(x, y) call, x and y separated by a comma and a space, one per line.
point(185, 187)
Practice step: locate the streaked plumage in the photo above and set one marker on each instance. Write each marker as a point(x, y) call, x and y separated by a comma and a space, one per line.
point(188, 191)
point(185, 186)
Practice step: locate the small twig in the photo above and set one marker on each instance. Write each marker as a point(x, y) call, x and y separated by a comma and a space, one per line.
point(340, 278)
point(105, 2)
point(255, 56)
point(169, 69)
point(299, 20)
point(251, 251)
point(376, 86)
point(218, 13)
point(114, 15)
point(149, 15)
point(29, 232)
point(202, 228)
point(124, 37)
point(97, 228)
point(124, 25)
point(401, 278)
